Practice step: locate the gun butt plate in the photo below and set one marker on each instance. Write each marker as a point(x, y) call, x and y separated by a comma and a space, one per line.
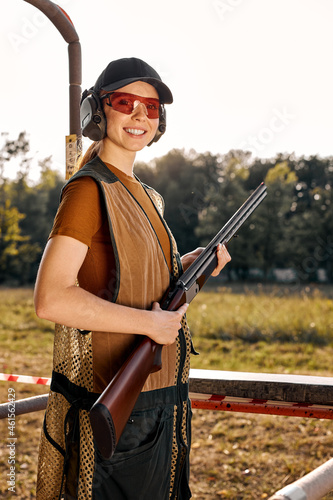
point(103, 430)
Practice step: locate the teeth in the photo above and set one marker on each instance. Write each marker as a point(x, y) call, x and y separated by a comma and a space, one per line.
point(135, 131)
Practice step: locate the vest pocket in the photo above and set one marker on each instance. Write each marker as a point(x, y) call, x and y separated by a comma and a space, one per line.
point(140, 467)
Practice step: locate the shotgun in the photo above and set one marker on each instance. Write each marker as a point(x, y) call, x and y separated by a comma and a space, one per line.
point(111, 411)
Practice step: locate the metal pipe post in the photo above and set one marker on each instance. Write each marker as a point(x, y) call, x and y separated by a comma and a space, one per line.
point(66, 28)
point(313, 486)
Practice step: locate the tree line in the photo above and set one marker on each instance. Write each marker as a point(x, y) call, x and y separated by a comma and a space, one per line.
point(291, 230)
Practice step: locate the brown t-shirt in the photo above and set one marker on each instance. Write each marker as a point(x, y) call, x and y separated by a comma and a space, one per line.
point(82, 215)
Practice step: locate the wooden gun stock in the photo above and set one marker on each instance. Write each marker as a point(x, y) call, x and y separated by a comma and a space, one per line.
point(110, 413)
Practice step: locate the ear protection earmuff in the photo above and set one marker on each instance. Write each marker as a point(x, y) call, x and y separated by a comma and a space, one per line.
point(93, 119)
point(92, 116)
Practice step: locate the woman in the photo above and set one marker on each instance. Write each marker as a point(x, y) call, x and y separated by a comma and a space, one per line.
point(108, 261)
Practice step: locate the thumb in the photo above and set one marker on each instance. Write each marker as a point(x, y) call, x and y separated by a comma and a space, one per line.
point(182, 310)
point(155, 306)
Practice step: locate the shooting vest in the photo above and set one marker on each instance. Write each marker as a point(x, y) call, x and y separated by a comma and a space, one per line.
point(85, 362)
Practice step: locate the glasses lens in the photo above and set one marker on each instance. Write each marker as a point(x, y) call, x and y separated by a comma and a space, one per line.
point(153, 108)
point(124, 103)
point(120, 102)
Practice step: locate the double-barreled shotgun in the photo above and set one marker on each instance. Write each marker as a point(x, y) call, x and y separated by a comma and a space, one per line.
point(110, 413)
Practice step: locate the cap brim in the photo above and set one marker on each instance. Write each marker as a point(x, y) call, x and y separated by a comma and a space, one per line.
point(164, 92)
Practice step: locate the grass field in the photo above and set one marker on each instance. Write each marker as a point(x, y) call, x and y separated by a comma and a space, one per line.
point(234, 455)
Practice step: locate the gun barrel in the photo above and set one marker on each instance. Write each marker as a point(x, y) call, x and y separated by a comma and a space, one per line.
point(225, 234)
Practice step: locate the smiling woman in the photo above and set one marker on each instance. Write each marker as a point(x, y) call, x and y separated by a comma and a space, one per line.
point(109, 259)
point(132, 122)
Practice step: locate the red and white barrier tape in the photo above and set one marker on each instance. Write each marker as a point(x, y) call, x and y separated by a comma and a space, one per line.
point(26, 379)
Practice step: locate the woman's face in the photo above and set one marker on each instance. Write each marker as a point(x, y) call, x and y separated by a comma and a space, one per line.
point(134, 131)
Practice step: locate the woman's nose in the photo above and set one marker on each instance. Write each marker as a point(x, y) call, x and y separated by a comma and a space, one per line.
point(139, 108)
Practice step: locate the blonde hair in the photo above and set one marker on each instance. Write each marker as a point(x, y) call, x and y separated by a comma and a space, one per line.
point(91, 153)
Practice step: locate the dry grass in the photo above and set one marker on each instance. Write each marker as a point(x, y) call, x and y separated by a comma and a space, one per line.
point(234, 456)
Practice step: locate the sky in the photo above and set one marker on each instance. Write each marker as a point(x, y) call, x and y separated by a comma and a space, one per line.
point(245, 74)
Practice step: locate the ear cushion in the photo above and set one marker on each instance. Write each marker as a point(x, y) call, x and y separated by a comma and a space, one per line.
point(92, 117)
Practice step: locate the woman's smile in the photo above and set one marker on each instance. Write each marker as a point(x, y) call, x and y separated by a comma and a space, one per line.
point(135, 131)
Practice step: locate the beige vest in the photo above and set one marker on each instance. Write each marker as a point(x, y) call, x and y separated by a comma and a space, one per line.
point(142, 278)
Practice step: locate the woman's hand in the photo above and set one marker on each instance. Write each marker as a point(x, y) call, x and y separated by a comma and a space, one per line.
point(167, 324)
point(223, 257)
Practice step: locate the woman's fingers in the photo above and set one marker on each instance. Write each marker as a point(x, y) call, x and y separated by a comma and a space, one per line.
point(223, 257)
point(168, 324)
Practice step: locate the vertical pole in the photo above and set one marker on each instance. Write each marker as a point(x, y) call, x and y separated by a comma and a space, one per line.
point(66, 28)
point(74, 140)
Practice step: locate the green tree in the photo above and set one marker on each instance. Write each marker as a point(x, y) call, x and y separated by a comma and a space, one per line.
point(310, 233)
point(38, 201)
point(280, 181)
point(221, 204)
point(27, 210)
point(15, 250)
point(323, 251)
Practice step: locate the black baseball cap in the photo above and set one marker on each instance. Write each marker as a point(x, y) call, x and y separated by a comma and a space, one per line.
point(121, 72)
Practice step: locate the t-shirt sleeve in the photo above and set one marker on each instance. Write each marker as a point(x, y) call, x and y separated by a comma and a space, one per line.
point(80, 214)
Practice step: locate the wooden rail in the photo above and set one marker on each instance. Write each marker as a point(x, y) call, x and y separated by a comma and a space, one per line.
point(274, 394)
point(293, 395)
point(293, 388)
